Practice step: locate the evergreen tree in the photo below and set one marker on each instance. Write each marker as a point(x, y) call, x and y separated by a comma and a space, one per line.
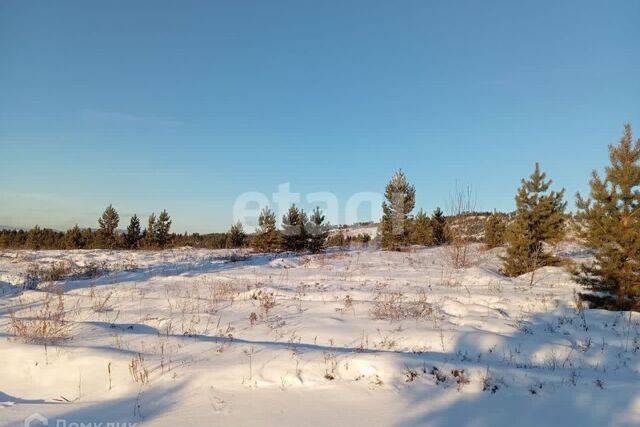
point(236, 236)
point(73, 238)
point(317, 230)
point(337, 239)
point(421, 231)
point(89, 238)
point(108, 223)
point(294, 229)
point(400, 201)
point(150, 232)
point(494, 230)
point(539, 218)
point(162, 228)
point(133, 235)
point(267, 238)
point(35, 238)
point(439, 227)
point(610, 222)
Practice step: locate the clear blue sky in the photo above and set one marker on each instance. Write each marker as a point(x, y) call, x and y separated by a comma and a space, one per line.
point(184, 105)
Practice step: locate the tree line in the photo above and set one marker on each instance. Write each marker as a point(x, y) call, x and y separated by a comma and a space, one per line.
point(299, 232)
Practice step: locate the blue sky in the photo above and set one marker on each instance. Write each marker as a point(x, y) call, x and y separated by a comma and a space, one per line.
point(186, 105)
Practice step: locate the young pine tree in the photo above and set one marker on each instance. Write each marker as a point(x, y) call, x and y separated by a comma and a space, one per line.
point(89, 238)
point(439, 227)
point(73, 238)
point(108, 223)
point(421, 231)
point(494, 230)
point(267, 238)
point(539, 219)
point(162, 228)
point(150, 233)
point(294, 232)
point(133, 235)
point(317, 230)
point(401, 199)
point(236, 236)
point(35, 238)
point(610, 222)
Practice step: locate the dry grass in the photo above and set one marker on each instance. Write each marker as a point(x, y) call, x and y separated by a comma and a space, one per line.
point(45, 324)
point(396, 306)
point(49, 273)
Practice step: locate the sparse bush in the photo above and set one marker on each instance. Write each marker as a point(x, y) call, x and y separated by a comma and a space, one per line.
point(37, 273)
point(46, 324)
point(395, 306)
point(461, 203)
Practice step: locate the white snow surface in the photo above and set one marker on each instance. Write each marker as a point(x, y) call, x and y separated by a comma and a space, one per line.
point(465, 347)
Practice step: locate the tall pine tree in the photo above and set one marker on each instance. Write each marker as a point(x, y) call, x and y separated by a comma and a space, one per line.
point(318, 231)
point(236, 236)
point(162, 229)
point(610, 222)
point(133, 235)
point(150, 233)
point(267, 238)
point(400, 200)
point(539, 219)
point(108, 224)
point(439, 227)
point(294, 232)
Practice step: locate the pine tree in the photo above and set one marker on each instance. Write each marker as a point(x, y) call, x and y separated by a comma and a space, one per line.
point(236, 236)
point(89, 238)
point(162, 228)
point(267, 238)
point(317, 230)
point(439, 227)
point(539, 219)
point(150, 232)
point(73, 238)
point(108, 223)
point(494, 230)
point(294, 232)
point(400, 201)
point(610, 222)
point(35, 238)
point(133, 235)
point(421, 231)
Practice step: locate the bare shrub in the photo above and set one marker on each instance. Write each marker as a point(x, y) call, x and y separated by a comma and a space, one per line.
point(46, 324)
point(37, 273)
point(388, 306)
point(347, 305)
point(396, 306)
point(461, 204)
point(266, 300)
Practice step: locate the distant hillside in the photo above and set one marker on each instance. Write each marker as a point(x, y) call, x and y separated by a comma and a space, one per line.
point(10, 227)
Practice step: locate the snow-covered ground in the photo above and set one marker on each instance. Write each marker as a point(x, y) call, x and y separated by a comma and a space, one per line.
point(353, 338)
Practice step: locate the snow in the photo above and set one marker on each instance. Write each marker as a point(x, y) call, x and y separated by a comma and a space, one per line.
point(355, 337)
